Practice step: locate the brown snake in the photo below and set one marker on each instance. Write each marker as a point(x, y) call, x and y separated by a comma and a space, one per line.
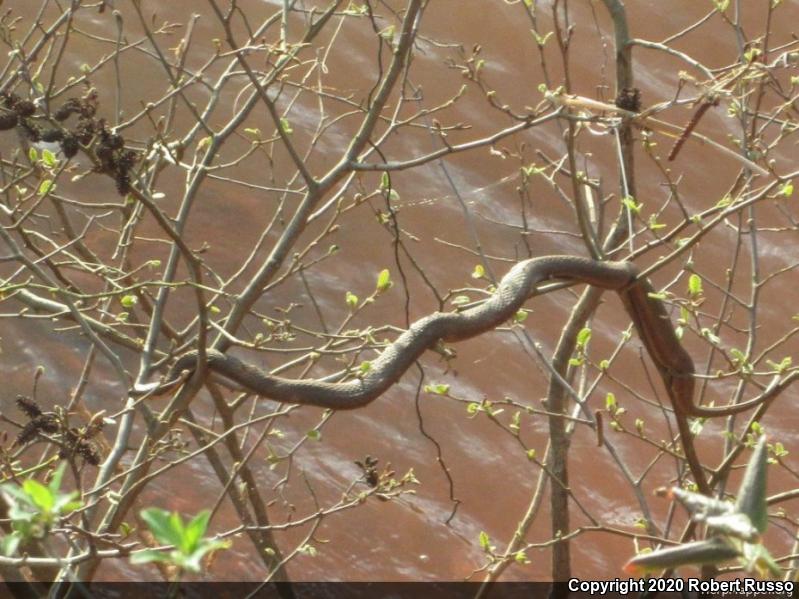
point(674, 364)
point(648, 314)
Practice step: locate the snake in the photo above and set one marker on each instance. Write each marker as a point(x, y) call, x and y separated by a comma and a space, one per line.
point(647, 312)
point(511, 292)
point(643, 305)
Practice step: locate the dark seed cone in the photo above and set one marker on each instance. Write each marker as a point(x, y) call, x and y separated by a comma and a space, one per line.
point(25, 108)
point(32, 130)
point(9, 100)
point(28, 407)
point(52, 135)
point(69, 145)
point(629, 98)
point(85, 131)
point(123, 183)
point(8, 121)
point(70, 107)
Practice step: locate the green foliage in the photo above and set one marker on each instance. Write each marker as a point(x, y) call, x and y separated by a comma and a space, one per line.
point(721, 5)
point(384, 282)
point(34, 508)
point(631, 205)
point(188, 539)
point(541, 40)
point(485, 542)
point(49, 159)
point(352, 300)
point(45, 187)
point(128, 300)
point(437, 389)
point(695, 285)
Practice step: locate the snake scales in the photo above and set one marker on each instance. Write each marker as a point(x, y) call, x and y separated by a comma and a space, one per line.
point(648, 314)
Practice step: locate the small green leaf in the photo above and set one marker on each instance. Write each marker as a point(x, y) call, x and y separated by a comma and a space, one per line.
point(49, 159)
point(128, 300)
point(721, 5)
point(352, 300)
point(583, 337)
point(195, 531)
point(696, 425)
point(45, 187)
point(531, 454)
point(779, 450)
point(695, 285)
point(479, 272)
point(485, 542)
point(33, 155)
point(610, 402)
point(384, 281)
point(520, 316)
point(149, 555)
point(631, 205)
point(784, 364)
point(162, 524)
point(653, 223)
point(9, 544)
point(385, 180)
point(787, 189)
point(286, 126)
point(41, 496)
point(437, 389)
point(314, 435)
point(541, 40)
point(752, 52)
point(724, 202)
point(388, 33)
